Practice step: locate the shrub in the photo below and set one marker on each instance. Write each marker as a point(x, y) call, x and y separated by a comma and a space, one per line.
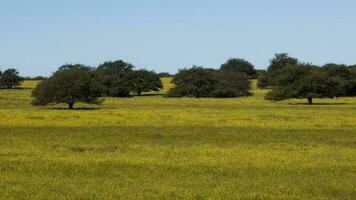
point(202, 82)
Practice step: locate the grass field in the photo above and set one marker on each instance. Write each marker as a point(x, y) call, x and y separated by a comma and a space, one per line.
point(153, 147)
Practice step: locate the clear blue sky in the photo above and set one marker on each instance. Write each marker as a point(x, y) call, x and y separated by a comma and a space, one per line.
point(37, 36)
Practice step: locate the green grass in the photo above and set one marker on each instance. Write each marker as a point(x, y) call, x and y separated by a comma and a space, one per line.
point(153, 147)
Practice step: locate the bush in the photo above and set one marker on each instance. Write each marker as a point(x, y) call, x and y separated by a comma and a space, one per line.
point(201, 82)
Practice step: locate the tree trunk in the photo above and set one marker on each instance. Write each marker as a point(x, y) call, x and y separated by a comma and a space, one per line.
point(310, 100)
point(70, 102)
point(71, 106)
point(138, 93)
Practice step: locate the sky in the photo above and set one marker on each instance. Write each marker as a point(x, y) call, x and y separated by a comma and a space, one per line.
point(38, 36)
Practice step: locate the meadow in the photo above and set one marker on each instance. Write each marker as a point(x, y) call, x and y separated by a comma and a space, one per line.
point(152, 147)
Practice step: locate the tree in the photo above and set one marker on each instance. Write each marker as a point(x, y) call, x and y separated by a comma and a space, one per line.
point(278, 63)
point(38, 78)
point(204, 82)
point(120, 87)
point(304, 81)
point(194, 82)
point(10, 78)
point(164, 74)
point(239, 65)
point(144, 81)
point(70, 84)
point(113, 77)
point(262, 78)
point(263, 81)
point(346, 74)
point(260, 72)
point(232, 84)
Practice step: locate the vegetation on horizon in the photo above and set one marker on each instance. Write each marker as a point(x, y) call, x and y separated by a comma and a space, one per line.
point(289, 78)
point(286, 77)
point(10, 78)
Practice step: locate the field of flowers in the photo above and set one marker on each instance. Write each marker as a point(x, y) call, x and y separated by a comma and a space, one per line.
point(153, 147)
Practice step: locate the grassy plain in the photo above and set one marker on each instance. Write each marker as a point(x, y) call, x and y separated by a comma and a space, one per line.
point(153, 147)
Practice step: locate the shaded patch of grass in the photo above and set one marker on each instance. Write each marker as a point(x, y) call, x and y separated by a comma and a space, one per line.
point(318, 104)
point(79, 108)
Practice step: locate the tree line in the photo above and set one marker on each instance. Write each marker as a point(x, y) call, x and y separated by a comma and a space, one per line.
point(286, 77)
point(79, 83)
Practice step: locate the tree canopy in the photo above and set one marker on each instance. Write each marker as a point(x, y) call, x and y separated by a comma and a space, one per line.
point(144, 81)
point(346, 74)
point(278, 63)
point(70, 84)
point(120, 78)
point(113, 75)
point(304, 81)
point(204, 82)
point(10, 78)
point(285, 76)
point(239, 65)
point(232, 84)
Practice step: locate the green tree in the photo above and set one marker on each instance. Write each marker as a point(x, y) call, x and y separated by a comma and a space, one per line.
point(280, 61)
point(277, 64)
point(232, 84)
point(305, 81)
point(144, 81)
point(10, 78)
point(120, 87)
point(202, 82)
point(70, 84)
point(194, 82)
point(262, 81)
point(164, 74)
point(346, 74)
point(239, 65)
point(113, 77)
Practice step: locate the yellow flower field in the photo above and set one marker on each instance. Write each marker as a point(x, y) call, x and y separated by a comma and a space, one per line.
point(152, 147)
